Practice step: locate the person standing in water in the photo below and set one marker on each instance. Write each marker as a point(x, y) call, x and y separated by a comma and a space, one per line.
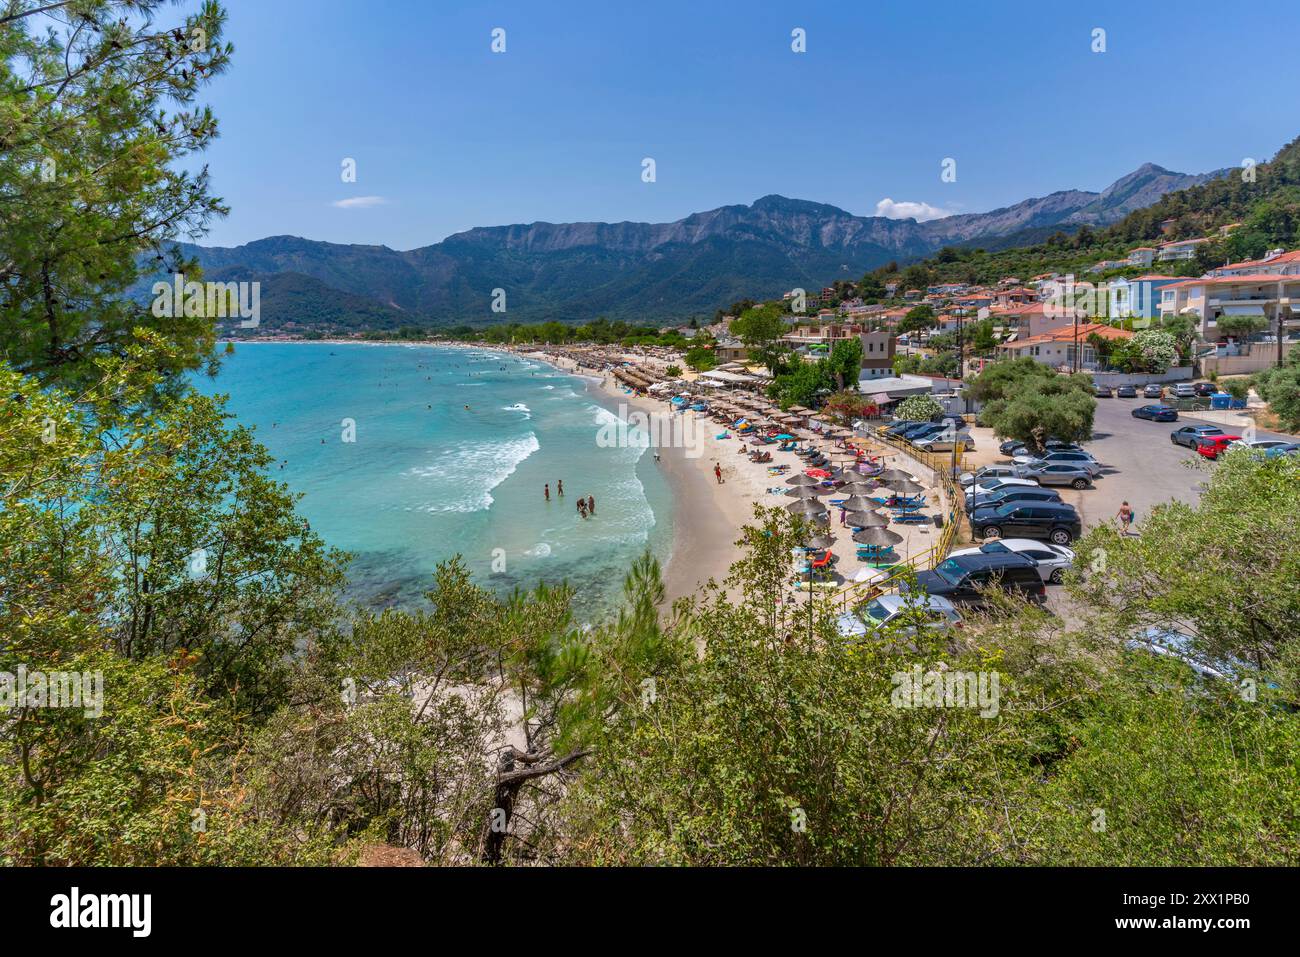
point(546, 490)
point(582, 507)
point(591, 505)
point(559, 486)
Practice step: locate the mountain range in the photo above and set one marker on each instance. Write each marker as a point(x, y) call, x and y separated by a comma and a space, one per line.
point(643, 272)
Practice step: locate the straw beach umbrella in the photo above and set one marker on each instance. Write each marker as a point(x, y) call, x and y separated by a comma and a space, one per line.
point(806, 508)
point(905, 487)
point(820, 542)
point(802, 479)
point(879, 537)
point(856, 503)
point(806, 492)
point(894, 475)
point(865, 519)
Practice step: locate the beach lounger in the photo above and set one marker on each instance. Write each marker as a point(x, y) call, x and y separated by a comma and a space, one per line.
point(910, 518)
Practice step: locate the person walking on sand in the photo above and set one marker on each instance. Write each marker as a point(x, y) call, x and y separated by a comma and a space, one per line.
point(591, 505)
point(717, 472)
point(1125, 517)
point(546, 490)
point(559, 487)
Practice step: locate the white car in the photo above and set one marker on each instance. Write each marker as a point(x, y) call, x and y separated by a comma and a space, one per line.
point(1052, 560)
point(986, 485)
point(1259, 445)
point(987, 472)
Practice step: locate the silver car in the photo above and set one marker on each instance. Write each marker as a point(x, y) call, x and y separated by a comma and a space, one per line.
point(944, 443)
point(1083, 460)
point(933, 612)
point(1058, 473)
point(987, 472)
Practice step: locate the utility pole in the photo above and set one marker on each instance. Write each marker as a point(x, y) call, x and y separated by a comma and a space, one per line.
point(1278, 300)
point(960, 378)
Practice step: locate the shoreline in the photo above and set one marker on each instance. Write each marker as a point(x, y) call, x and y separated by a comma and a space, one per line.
point(707, 516)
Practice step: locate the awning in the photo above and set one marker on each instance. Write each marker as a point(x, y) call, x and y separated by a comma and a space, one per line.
point(1253, 310)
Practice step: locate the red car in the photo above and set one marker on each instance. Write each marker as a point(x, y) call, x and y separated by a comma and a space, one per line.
point(1211, 445)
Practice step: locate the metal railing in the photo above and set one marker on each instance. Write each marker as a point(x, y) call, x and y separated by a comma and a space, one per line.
point(858, 592)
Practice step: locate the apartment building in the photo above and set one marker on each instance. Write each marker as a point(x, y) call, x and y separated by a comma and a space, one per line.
point(1271, 297)
point(877, 355)
point(1180, 250)
point(1137, 298)
point(1142, 256)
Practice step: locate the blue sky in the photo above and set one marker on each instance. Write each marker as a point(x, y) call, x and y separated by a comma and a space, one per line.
point(450, 135)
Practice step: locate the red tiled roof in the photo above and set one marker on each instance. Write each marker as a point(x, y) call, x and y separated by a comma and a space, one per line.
point(1067, 333)
point(1226, 280)
point(1293, 256)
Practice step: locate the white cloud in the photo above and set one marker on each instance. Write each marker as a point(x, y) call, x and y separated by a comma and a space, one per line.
point(909, 210)
point(359, 202)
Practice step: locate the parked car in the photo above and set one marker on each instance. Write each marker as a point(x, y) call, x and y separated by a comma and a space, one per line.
point(988, 472)
point(1290, 448)
point(1156, 413)
point(1013, 493)
point(1063, 457)
point(934, 611)
point(963, 579)
point(944, 443)
point(1126, 392)
point(1059, 473)
point(901, 426)
point(1057, 522)
point(987, 486)
point(1189, 435)
point(1152, 391)
point(1052, 561)
point(1204, 390)
point(1102, 392)
point(1259, 445)
point(1168, 643)
point(1014, 447)
point(1211, 446)
point(922, 431)
point(1184, 390)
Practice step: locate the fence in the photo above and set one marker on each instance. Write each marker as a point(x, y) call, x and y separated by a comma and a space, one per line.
point(940, 463)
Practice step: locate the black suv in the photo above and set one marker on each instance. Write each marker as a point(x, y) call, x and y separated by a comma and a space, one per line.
point(1057, 522)
point(1013, 493)
point(960, 579)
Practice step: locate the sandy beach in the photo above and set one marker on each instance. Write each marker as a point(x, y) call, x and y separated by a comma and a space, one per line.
point(708, 515)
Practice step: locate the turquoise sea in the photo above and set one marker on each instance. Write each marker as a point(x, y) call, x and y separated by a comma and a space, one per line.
point(452, 449)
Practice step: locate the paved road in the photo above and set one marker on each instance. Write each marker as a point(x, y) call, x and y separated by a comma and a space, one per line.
point(1142, 465)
